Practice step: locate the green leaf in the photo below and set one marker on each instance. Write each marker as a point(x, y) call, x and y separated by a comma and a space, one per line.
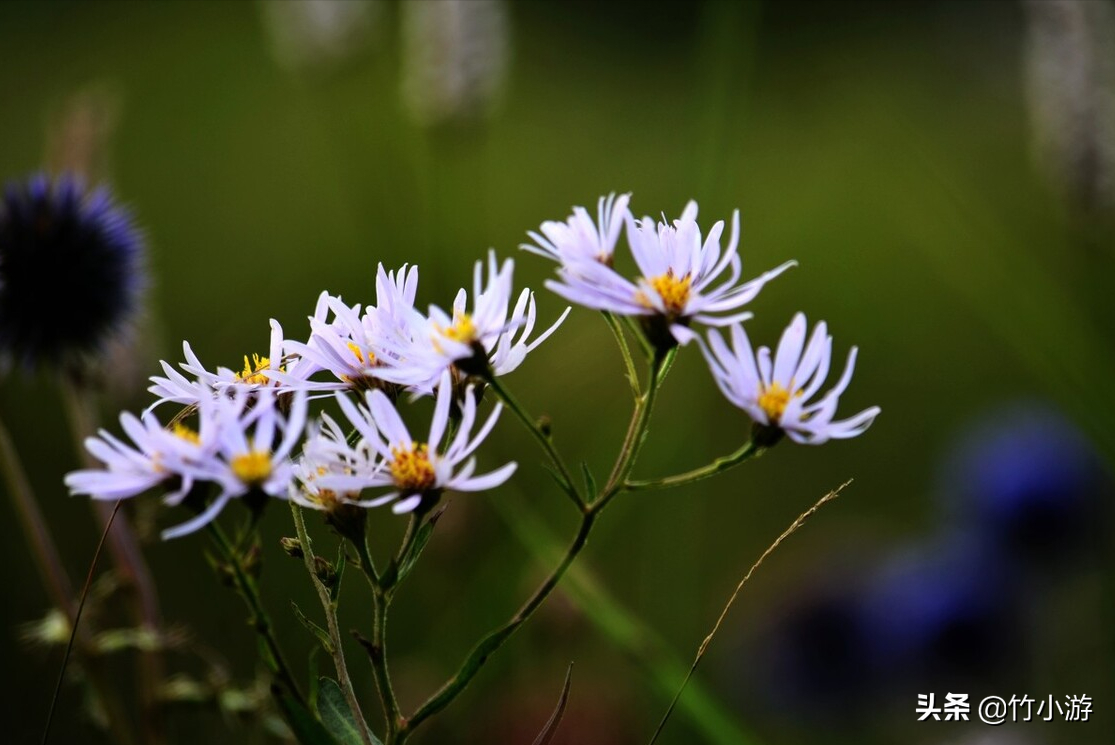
point(337, 716)
point(305, 727)
point(590, 482)
point(420, 541)
point(320, 633)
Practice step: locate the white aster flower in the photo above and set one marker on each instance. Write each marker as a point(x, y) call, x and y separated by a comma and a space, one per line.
point(779, 394)
point(469, 341)
point(682, 277)
point(351, 345)
point(418, 471)
point(252, 443)
point(274, 370)
point(579, 238)
point(156, 456)
point(326, 452)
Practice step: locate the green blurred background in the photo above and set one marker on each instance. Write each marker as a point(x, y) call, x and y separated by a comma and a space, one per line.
point(888, 147)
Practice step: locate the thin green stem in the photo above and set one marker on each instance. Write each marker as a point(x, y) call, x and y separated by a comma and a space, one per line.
point(377, 653)
point(746, 452)
point(367, 563)
point(568, 485)
point(636, 431)
point(390, 575)
point(628, 361)
point(625, 461)
point(259, 618)
point(329, 607)
point(495, 639)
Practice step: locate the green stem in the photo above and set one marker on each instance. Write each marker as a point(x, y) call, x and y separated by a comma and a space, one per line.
point(568, 485)
point(259, 618)
point(628, 361)
point(495, 639)
point(746, 452)
point(377, 653)
point(329, 607)
point(624, 462)
point(636, 431)
point(391, 574)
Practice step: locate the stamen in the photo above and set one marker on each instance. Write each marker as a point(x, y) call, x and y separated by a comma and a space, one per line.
point(252, 468)
point(673, 290)
point(253, 370)
point(774, 399)
point(411, 468)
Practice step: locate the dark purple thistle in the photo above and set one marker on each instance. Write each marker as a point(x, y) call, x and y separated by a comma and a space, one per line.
point(71, 271)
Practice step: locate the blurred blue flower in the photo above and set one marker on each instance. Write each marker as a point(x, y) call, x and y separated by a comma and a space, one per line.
point(70, 271)
point(1028, 482)
point(946, 614)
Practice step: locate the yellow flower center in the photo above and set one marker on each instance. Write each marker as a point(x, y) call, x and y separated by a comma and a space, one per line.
point(462, 329)
point(187, 434)
point(673, 290)
point(252, 467)
point(411, 467)
point(773, 400)
point(253, 370)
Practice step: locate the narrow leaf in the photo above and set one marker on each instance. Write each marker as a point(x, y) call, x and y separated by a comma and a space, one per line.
point(590, 482)
point(306, 729)
point(313, 628)
point(337, 716)
point(550, 729)
point(420, 542)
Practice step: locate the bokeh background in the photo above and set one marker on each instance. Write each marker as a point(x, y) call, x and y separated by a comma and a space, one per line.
point(943, 172)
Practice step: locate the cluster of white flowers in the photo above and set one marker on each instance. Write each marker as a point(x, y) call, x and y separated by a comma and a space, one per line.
point(677, 287)
point(248, 423)
point(243, 441)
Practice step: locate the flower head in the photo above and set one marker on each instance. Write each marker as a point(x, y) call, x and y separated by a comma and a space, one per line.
point(779, 395)
point(417, 471)
point(241, 445)
point(272, 371)
point(70, 271)
point(156, 455)
point(682, 278)
point(356, 346)
point(467, 340)
point(580, 239)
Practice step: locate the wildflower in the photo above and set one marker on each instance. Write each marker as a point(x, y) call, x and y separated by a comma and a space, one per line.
point(233, 447)
point(579, 239)
point(64, 248)
point(418, 472)
point(351, 345)
point(326, 452)
point(257, 372)
point(675, 288)
point(250, 456)
point(468, 342)
point(157, 455)
point(778, 396)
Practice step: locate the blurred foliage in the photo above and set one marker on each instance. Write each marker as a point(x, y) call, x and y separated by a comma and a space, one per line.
point(883, 146)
